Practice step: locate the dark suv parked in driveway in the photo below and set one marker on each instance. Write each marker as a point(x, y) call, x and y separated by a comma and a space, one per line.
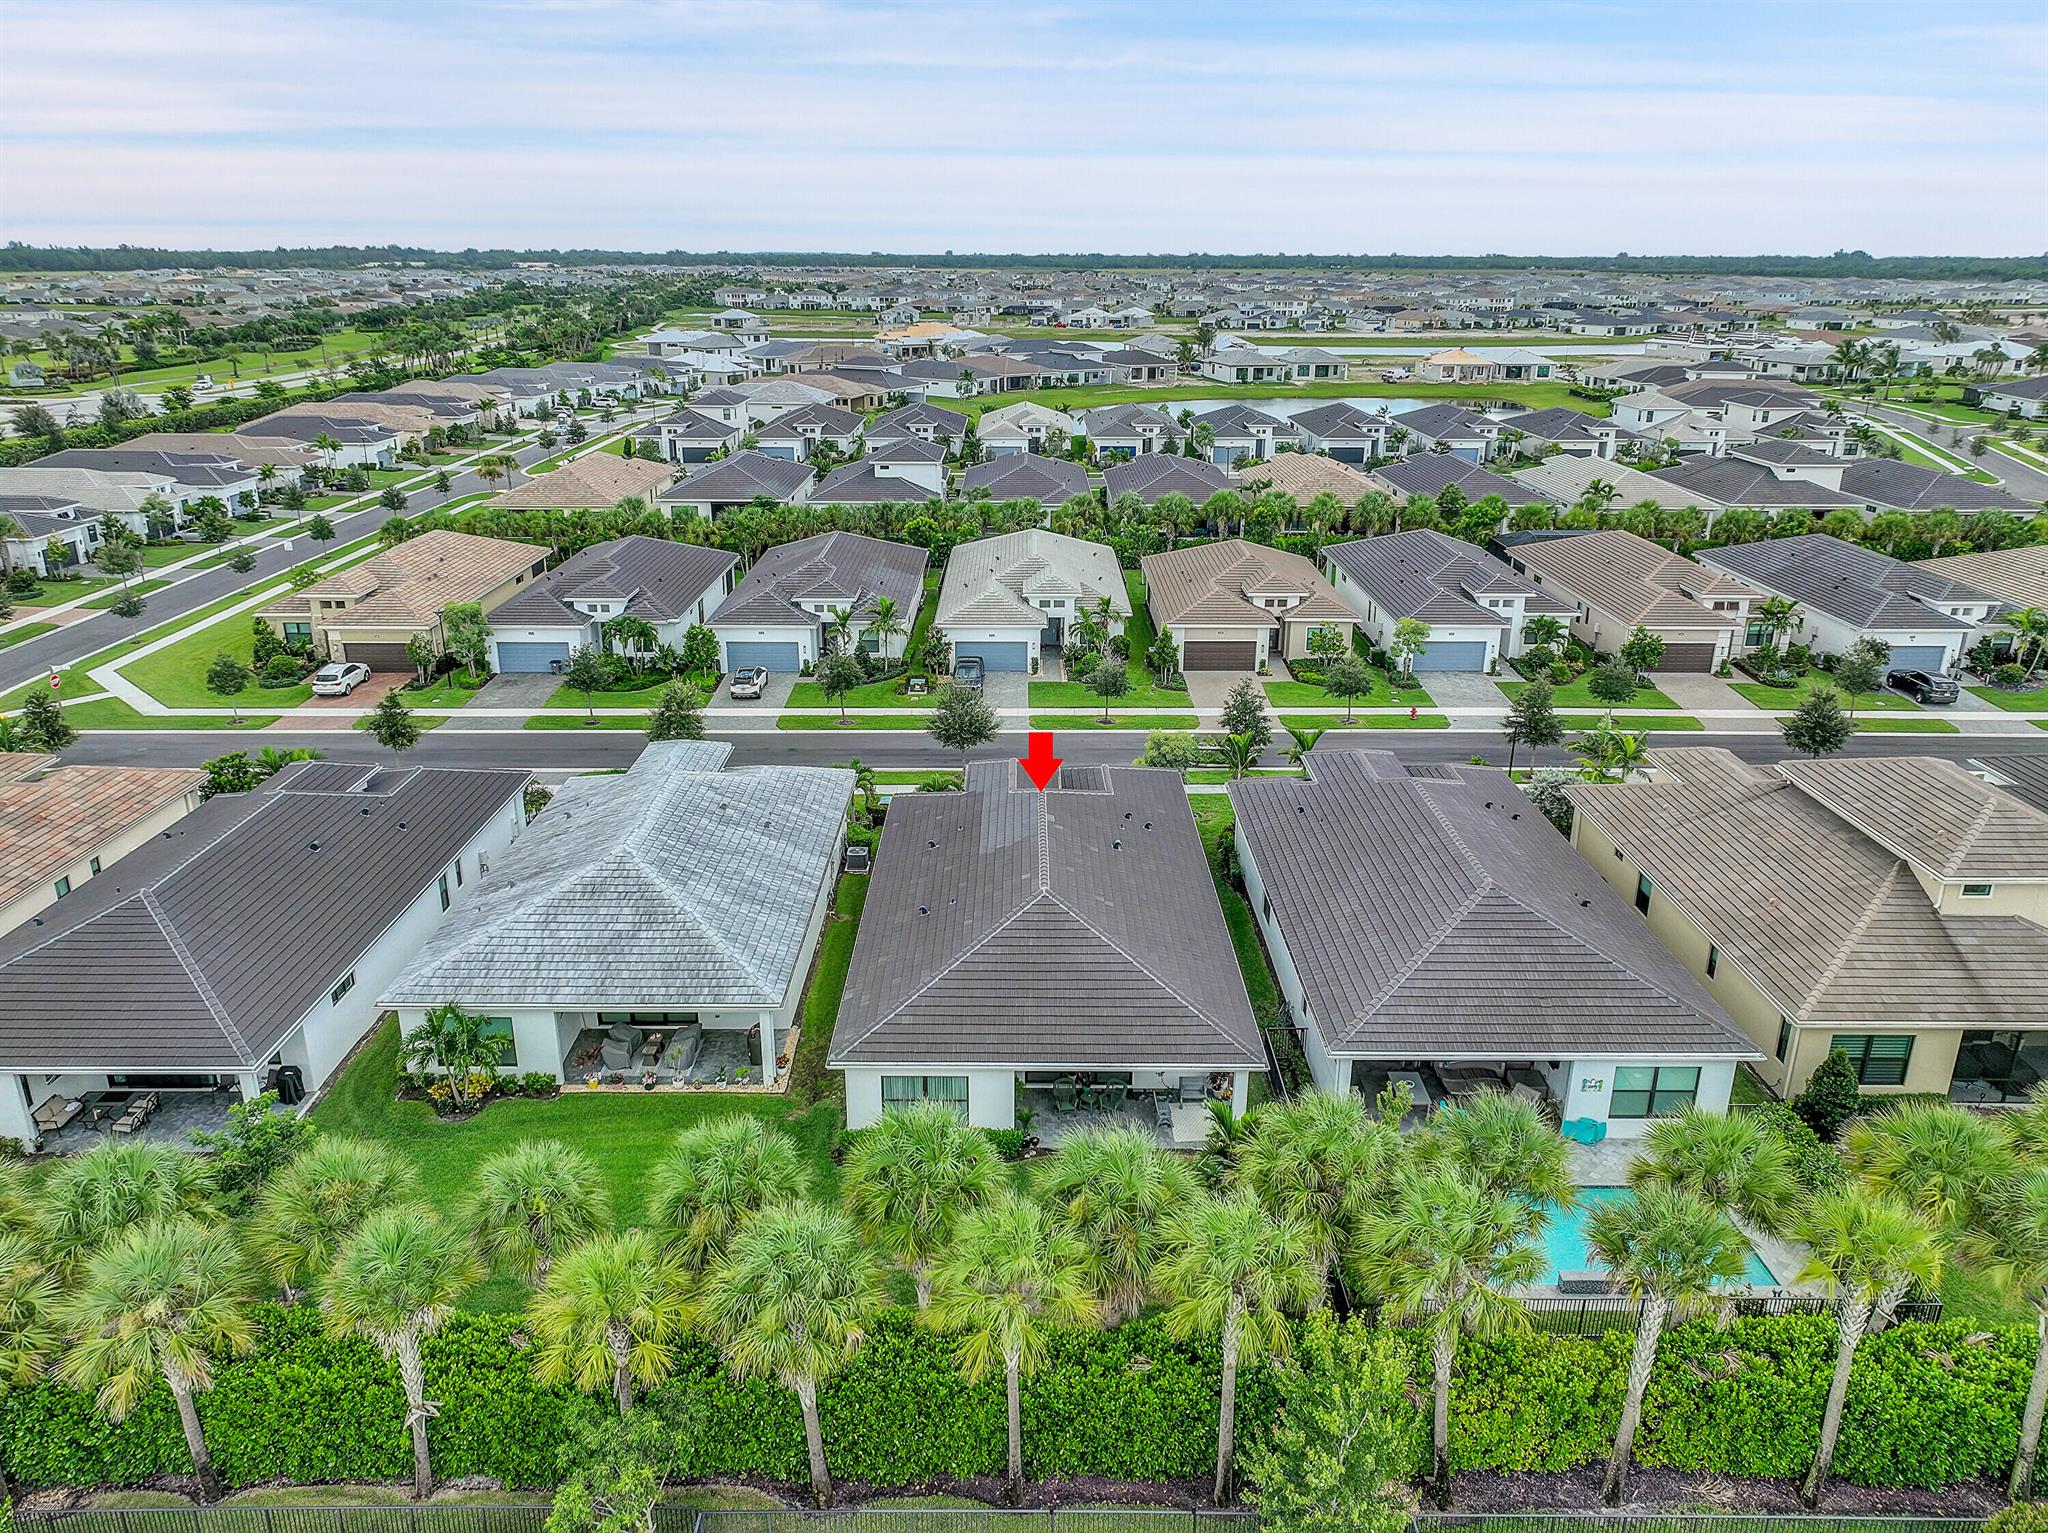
point(1924, 686)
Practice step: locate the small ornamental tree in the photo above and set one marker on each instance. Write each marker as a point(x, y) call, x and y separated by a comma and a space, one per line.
point(468, 636)
point(320, 529)
point(1832, 1095)
point(454, 1042)
point(1532, 720)
point(1109, 681)
point(43, 726)
point(962, 720)
point(1326, 643)
point(393, 726)
point(236, 772)
point(839, 674)
point(680, 715)
point(227, 677)
point(243, 561)
point(1856, 673)
point(588, 673)
point(1613, 682)
point(1411, 638)
point(1349, 678)
point(1819, 728)
point(1163, 655)
point(1643, 650)
point(700, 651)
point(393, 498)
point(1244, 713)
point(1177, 752)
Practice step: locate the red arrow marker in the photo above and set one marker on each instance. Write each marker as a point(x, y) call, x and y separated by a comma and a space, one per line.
point(1039, 762)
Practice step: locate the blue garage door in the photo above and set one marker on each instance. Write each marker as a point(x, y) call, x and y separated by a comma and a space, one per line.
point(1465, 655)
point(1916, 657)
point(994, 657)
point(776, 452)
point(1468, 454)
point(522, 659)
point(1345, 454)
point(775, 657)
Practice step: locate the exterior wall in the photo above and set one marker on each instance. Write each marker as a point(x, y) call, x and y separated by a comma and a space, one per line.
point(1832, 636)
point(991, 1094)
point(805, 639)
point(1295, 634)
point(110, 851)
point(1585, 1088)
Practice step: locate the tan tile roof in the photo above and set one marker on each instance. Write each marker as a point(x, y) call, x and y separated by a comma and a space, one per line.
point(417, 418)
point(1931, 812)
point(1634, 579)
point(2017, 575)
point(1305, 475)
point(408, 586)
point(594, 481)
point(52, 816)
point(1832, 925)
point(1205, 584)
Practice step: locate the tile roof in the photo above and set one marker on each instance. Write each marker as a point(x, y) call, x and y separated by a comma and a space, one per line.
point(1422, 573)
point(991, 581)
point(412, 583)
point(53, 816)
point(1152, 475)
point(738, 479)
point(1847, 581)
point(1634, 579)
point(1565, 477)
point(1305, 475)
point(2015, 575)
point(2024, 777)
point(1832, 925)
point(1028, 476)
point(1076, 928)
point(838, 568)
point(678, 884)
point(1430, 473)
point(1205, 584)
point(660, 579)
point(1908, 487)
point(1443, 915)
point(1736, 482)
point(595, 481)
point(862, 483)
point(200, 950)
point(1931, 812)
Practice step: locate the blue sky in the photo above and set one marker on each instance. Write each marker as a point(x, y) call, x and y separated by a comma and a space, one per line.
point(1585, 126)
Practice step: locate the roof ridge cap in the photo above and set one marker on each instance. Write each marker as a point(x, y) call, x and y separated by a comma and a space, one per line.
point(1847, 946)
point(1407, 970)
point(1122, 952)
point(200, 983)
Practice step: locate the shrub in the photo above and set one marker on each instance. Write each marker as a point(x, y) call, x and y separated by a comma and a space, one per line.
point(1815, 1164)
point(282, 670)
point(2020, 1517)
point(1561, 674)
point(1832, 1096)
point(2010, 677)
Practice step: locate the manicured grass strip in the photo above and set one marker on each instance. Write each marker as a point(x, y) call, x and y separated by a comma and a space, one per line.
point(914, 779)
point(113, 598)
point(1308, 694)
point(582, 721)
point(1920, 726)
point(1368, 721)
point(425, 721)
point(1633, 721)
point(176, 674)
point(26, 632)
point(857, 722)
point(1787, 699)
point(1577, 694)
point(2035, 701)
point(1214, 818)
point(112, 713)
point(809, 1080)
point(876, 694)
point(1210, 776)
point(1120, 721)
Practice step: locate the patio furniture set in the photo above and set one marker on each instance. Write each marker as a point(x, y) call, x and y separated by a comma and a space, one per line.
point(1084, 1094)
point(675, 1054)
point(117, 1112)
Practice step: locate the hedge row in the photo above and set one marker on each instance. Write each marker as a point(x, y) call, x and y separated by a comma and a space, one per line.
point(1929, 1406)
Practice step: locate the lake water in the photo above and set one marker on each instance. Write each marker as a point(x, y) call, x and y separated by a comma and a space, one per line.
point(1290, 405)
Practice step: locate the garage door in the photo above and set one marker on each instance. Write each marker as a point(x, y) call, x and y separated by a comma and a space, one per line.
point(1687, 657)
point(379, 657)
point(1348, 454)
point(525, 659)
point(1216, 655)
point(1916, 657)
point(785, 656)
point(995, 657)
point(1463, 655)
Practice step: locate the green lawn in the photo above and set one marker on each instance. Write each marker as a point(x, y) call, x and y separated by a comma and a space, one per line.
point(876, 694)
point(809, 1080)
point(1138, 629)
point(54, 591)
point(113, 598)
point(156, 555)
point(870, 721)
point(1633, 721)
point(911, 779)
point(1899, 726)
point(449, 691)
point(1368, 721)
point(176, 674)
point(1211, 776)
point(1309, 694)
point(1785, 699)
point(1578, 695)
point(25, 632)
point(2035, 701)
point(1215, 818)
point(622, 697)
point(582, 721)
point(112, 713)
point(1120, 721)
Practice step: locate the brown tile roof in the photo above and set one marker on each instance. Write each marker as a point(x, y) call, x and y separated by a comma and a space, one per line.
point(408, 586)
point(51, 816)
point(1634, 579)
point(595, 481)
point(1932, 813)
point(1831, 924)
point(1205, 585)
point(2017, 575)
point(1305, 475)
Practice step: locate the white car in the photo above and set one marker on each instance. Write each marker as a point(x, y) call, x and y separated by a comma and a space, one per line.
point(339, 679)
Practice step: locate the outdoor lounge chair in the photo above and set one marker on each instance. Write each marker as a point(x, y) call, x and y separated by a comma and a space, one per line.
point(1162, 1112)
point(1114, 1095)
point(1194, 1088)
point(1064, 1097)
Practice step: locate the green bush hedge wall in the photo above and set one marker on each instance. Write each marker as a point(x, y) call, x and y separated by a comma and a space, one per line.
point(1929, 1405)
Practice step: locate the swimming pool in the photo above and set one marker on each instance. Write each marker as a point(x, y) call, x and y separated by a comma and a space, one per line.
point(1564, 1239)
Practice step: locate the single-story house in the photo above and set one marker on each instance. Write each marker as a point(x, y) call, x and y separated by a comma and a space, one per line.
point(370, 611)
point(1013, 939)
point(672, 586)
point(1569, 431)
point(2026, 398)
point(1436, 925)
point(1239, 433)
point(1026, 427)
point(1916, 894)
point(1566, 479)
point(1305, 475)
point(1461, 432)
point(1431, 473)
point(1006, 599)
point(2016, 576)
point(710, 489)
point(1885, 484)
point(659, 920)
point(1616, 581)
point(779, 613)
point(927, 422)
point(1343, 431)
point(1847, 592)
point(1129, 430)
point(1475, 605)
point(1235, 605)
point(252, 934)
point(1159, 474)
point(51, 532)
point(597, 481)
point(795, 433)
point(1028, 476)
point(63, 824)
point(885, 479)
point(692, 436)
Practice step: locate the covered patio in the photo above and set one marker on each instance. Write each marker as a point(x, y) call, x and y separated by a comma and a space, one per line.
point(676, 1053)
point(1434, 1084)
point(177, 1115)
point(1175, 1115)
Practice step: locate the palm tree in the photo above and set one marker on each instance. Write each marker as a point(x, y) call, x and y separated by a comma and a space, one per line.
point(1669, 1249)
point(533, 1201)
point(1319, 1159)
point(2025, 1129)
point(29, 1333)
point(791, 1301)
point(1013, 1275)
point(328, 446)
point(1729, 1161)
point(911, 1177)
point(1448, 1252)
point(609, 1315)
point(2015, 1244)
point(1935, 1158)
point(395, 1282)
point(1506, 1145)
point(1305, 738)
point(1112, 1190)
point(1233, 1268)
point(840, 625)
point(91, 1197)
point(1776, 615)
point(2030, 629)
point(308, 1210)
point(160, 1301)
point(719, 1175)
point(885, 623)
point(1868, 1250)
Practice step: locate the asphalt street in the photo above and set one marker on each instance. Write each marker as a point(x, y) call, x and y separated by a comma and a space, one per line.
point(2026, 482)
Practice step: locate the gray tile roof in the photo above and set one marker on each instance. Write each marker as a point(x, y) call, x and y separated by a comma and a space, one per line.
point(1423, 574)
point(679, 884)
point(1152, 475)
point(1077, 928)
point(1829, 923)
point(1734, 482)
point(842, 568)
point(1429, 473)
point(201, 949)
point(1931, 812)
point(860, 484)
point(1908, 487)
point(1442, 915)
point(1338, 419)
point(661, 579)
point(738, 479)
point(2024, 777)
point(1444, 420)
point(993, 581)
point(1028, 476)
point(1846, 581)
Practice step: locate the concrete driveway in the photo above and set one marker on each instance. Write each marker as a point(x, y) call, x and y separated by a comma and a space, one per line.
point(366, 695)
point(1465, 689)
point(1208, 691)
point(774, 695)
point(530, 690)
point(1693, 690)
